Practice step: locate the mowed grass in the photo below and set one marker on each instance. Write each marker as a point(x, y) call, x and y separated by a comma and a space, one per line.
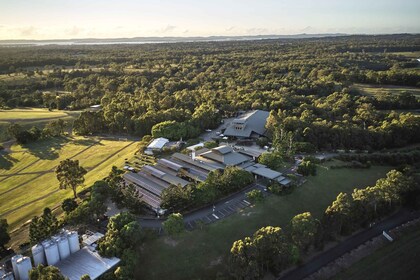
point(24, 195)
point(397, 260)
point(377, 90)
point(28, 117)
point(200, 254)
point(30, 113)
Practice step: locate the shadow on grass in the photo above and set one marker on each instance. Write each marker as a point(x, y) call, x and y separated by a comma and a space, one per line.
point(86, 142)
point(6, 161)
point(46, 149)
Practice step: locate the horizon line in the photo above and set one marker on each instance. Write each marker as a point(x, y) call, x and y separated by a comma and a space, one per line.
point(215, 36)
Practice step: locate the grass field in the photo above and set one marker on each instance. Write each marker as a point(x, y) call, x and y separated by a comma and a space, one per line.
point(28, 117)
point(397, 260)
point(202, 253)
point(27, 179)
point(376, 90)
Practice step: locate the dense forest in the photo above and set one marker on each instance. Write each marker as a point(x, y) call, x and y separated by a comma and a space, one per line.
point(305, 83)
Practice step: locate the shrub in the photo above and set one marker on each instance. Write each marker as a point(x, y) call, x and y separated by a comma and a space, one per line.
point(255, 196)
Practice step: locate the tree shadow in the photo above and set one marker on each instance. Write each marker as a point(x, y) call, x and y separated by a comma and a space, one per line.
point(6, 161)
point(86, 142)
point(46, 149)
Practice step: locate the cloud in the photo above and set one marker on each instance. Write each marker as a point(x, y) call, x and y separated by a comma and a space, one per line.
point(256, 31)
point(74, 31)
point(230, 28)
point(186, 31)
point(308, 29)
point(28, 31)
point(168, 28)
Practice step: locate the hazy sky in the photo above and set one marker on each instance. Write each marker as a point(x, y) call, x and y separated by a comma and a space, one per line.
point(56, 19)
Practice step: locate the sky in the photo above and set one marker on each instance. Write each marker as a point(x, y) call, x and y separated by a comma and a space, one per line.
point(66, 19)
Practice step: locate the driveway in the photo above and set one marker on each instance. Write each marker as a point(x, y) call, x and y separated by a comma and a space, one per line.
point(211, 213)
point(347, 245)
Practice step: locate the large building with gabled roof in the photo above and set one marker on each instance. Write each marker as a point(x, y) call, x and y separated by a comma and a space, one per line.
point(249, 125)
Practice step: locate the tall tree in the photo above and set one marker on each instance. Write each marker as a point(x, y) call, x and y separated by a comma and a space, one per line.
point(303, 230)
point(70, 175)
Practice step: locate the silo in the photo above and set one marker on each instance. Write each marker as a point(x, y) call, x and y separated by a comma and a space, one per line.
point(24, 265)
point(63, 247)
point(51, 252)
point(14, 265)
point(73, 238)
point(38, 254)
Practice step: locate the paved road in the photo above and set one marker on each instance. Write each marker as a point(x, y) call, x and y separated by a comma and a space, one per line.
point(343, 247)
point(210, 213)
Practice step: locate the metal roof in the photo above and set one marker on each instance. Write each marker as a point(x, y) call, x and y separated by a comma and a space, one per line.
point(190, 161)
point(194, 147)
point(225, 155)
point(158, 143)
point(170, 164)
point(86, 261)
point(90, 239)
point(222, 150)
point(253, 122)
point(266, 173)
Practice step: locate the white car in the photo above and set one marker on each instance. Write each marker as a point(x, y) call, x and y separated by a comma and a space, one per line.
point(208, 130)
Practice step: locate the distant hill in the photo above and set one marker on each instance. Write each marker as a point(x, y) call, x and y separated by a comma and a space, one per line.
point(145, 40)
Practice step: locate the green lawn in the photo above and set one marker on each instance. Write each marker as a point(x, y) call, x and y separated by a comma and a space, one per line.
point(24, 195)
point(28, 117)
point(202, 253)
point(376, 90)
point(397, 260)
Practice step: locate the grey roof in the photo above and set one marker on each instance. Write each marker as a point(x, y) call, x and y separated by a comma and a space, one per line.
point(190, 161)
point(253, 122)
point(144, 182)
point(86, 261)
point(225, 155)
point(250, 152)
point(168, 178)
point(170, 164)
point(223, 150)
point(266, 173)
point(285, 181)
point(250, 168)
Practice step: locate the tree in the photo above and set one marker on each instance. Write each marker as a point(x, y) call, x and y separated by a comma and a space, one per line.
point(303, 230)
point(274, 160)
point(42, 272)
point(174, 225)
point(85, 277)
point(123, 233)
point(68, 205)
point(43, 227)
point(4, 234)
point(70, 174)
point(307, 168)
point(176, 198)
point(255, 196)
point(243, 260)
point(339, 217)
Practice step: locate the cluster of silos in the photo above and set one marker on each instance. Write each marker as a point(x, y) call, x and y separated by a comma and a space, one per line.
point(48, 252)
point(57, 248)
point(21, 267)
